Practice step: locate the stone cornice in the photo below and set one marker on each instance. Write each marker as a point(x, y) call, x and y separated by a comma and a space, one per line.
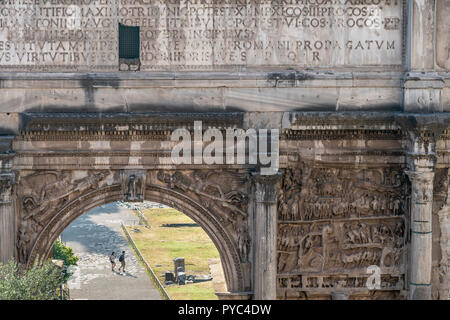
point(341, 125)
point(131, 135)
point(86, 153)
point(422, 128)
point(342, 121)
point(338, 134)
point(124, 122)
point(100, 77)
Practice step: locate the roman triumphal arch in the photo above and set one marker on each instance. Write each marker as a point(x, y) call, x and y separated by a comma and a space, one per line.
point(357, 94)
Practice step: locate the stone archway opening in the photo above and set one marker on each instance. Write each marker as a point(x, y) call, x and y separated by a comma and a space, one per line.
point(42, 247)
point(49, 201)
point(119, 226)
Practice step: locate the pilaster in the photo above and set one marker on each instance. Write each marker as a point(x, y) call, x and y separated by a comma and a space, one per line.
point(423, 88)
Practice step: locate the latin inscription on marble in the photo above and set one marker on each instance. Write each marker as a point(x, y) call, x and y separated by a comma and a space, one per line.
point(79, 35)
point(52, 35)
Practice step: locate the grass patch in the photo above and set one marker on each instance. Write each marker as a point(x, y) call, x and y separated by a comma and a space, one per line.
point(160, 245)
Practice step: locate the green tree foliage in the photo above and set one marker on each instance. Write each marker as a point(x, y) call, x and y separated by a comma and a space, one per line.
point(41, 282)
point(65, 253)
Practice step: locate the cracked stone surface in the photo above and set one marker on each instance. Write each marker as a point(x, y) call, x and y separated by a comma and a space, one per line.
point(93, 237)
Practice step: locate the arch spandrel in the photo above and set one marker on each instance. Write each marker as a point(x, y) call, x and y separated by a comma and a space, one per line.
point(48, 201)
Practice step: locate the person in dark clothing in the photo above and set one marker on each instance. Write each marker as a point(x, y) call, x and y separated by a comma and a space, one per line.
point(122, 261)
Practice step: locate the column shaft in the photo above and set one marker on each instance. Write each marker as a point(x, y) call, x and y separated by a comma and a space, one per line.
point(421, 235)
point(265, 268)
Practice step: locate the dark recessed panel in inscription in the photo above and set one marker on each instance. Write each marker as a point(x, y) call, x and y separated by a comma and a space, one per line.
point(128, 42)
point(333, 224)
point(202, 35)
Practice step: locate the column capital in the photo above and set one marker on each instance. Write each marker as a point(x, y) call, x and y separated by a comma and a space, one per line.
point(266, 187)
point(6, 153)
point(423, 128)
point(265, 228)
point(421, 176)
point(423, 131)
point(421, 163)
point(7, 181)
point(422, 186)
point(267, 179)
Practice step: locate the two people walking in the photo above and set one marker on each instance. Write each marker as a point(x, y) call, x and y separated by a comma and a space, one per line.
point(112, 259)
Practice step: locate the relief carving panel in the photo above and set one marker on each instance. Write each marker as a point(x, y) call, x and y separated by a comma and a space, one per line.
point(335, 221)
point(133, 185)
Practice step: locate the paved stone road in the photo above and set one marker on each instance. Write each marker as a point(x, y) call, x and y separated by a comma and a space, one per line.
point(93, 237)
